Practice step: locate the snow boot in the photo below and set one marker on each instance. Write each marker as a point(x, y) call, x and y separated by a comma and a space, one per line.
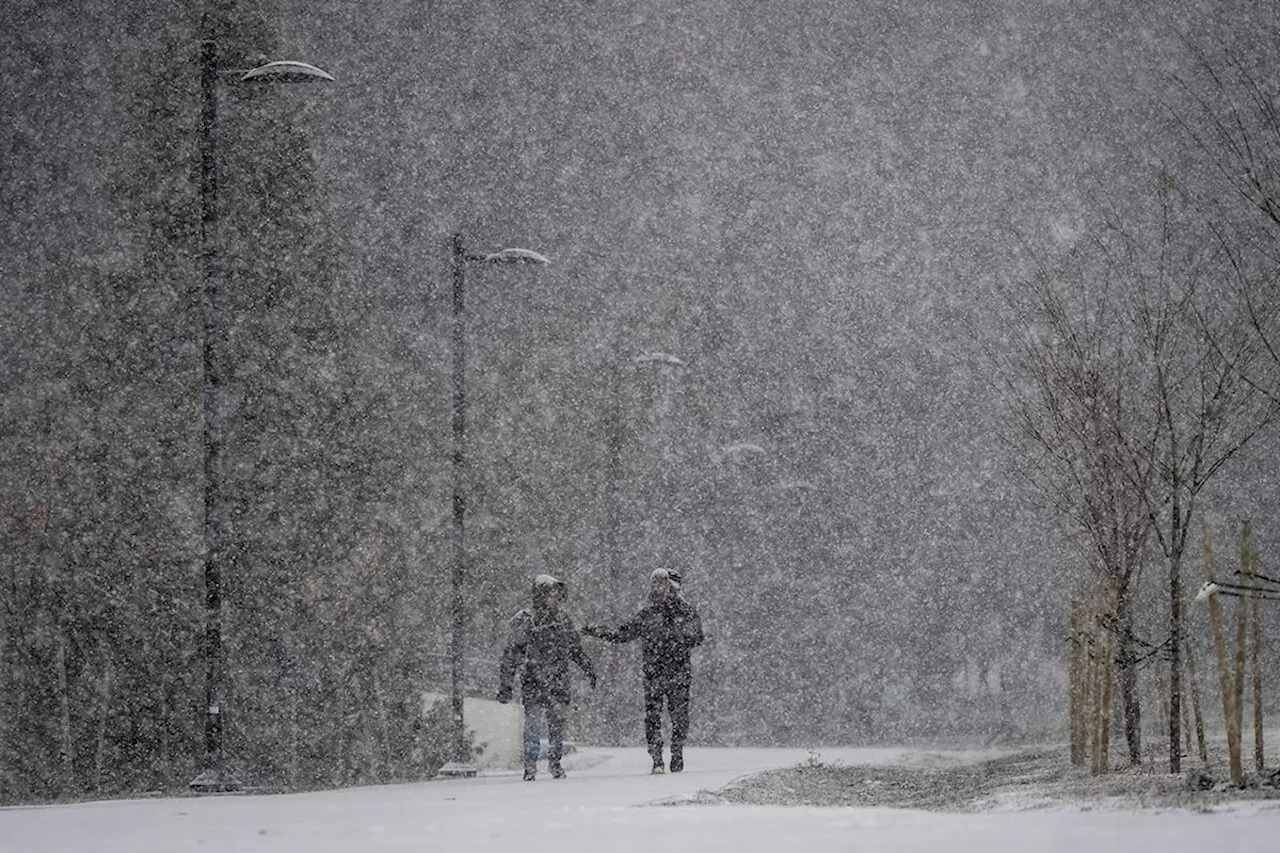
point(655, 752)
point(677, 760)
point(530, 772)
point(557, 772)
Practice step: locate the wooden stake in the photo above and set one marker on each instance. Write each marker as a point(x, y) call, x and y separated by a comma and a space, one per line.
point(1242, 637)
point(1259, 750)
point(1075, 685)
point(1224, 671)
point(1098, 715)
point(1255, 644)
point(1107, 651)
point(1092, 730)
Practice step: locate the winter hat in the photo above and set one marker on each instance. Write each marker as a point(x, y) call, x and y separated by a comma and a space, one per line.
point(671, 576)
point(544, 585)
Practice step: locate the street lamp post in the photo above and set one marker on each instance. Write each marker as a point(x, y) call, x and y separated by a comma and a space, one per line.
point(614, 498)
point(459, 257)
point(215, 776)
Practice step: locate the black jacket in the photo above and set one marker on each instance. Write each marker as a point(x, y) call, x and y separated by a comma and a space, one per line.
point(668, 632)
point(545, 642)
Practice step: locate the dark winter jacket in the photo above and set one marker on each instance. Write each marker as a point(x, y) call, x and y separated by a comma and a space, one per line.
point(544, 642)
point(668, 631)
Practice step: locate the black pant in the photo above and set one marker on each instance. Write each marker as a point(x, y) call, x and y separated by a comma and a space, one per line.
point(675, 693)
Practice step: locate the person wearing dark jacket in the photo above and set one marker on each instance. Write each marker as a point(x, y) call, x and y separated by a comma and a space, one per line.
point(668, 628)
point(544, 641)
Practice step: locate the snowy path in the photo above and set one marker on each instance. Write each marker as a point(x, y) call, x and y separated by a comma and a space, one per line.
point(600, 808)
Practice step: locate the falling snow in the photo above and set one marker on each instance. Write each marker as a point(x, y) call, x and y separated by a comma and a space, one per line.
point(850, 312)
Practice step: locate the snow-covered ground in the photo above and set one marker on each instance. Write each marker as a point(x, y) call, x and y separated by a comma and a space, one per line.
point(608, 803)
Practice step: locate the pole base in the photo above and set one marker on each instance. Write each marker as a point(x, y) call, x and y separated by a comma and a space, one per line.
point(456, 770)
point(215, 782)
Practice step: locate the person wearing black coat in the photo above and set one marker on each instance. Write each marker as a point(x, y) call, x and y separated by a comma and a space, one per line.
point(668, 628)
point(544, 641)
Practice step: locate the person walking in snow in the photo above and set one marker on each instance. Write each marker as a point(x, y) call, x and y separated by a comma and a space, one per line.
point(668, 628)
point(543, 640)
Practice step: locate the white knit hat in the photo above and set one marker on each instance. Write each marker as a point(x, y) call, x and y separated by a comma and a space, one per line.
point(671, 576)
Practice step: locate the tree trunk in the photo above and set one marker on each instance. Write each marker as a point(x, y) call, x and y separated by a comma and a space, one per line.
point(1195, 705)
point(1237, 688)
point(1162, 692)
point(1128, 673)
point(1193, 690)
point(1259, 753)
point(1187, 727)
point(1096, 675)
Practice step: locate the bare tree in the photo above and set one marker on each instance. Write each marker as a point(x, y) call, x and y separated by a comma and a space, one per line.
point(1132, 393)
point(1079, 429)
point(1234, 120)
point(1193, 351)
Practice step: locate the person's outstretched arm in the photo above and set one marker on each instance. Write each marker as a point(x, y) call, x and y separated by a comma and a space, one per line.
point(579, 655)
point(626, 632)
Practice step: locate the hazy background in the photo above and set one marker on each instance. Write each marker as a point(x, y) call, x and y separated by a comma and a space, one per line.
point(812, 205)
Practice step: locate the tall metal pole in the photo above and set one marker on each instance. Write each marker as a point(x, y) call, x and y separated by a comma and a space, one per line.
point(616, 441)
point(458, 263)
point(213, 776)
point(458, 258)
